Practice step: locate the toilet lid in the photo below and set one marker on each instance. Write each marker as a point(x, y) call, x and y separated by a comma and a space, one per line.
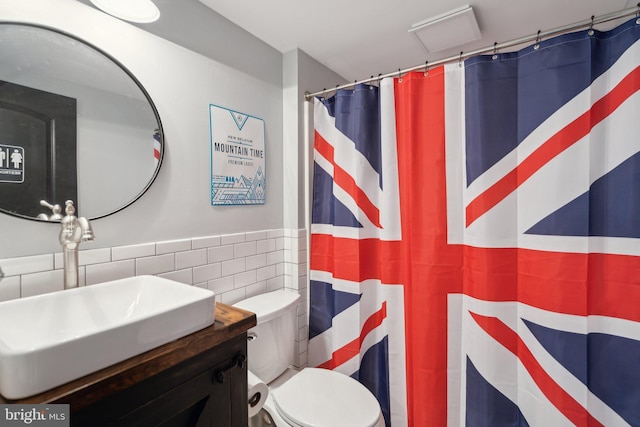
point(322, 398)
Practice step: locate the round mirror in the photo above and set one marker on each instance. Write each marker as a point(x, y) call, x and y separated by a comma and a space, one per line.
point(74, 125)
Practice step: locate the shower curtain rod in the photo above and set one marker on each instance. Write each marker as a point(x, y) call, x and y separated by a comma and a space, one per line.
point(497, 46)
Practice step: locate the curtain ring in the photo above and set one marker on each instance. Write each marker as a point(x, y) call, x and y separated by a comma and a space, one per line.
point(460, 60)
point(537, 45)
point(399, 75)
point(495, 51)
point(324, 94)
point(591, 32)
point(426, 68)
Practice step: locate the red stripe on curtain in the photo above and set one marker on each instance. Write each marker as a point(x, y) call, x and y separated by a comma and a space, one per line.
point(352, 349)
point(432, 267)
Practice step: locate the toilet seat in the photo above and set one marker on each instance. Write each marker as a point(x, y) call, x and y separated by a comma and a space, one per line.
point(319, 398)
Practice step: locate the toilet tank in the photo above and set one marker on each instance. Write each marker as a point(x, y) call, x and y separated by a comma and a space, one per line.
point(271, 350)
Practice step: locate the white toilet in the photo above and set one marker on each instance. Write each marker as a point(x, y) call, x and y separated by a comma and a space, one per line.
point(311, 397)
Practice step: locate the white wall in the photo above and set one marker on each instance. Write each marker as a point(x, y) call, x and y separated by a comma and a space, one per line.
point(301, 73)
point(182, 84)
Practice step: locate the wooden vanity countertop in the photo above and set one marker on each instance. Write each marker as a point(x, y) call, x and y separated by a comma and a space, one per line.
point(229, 323)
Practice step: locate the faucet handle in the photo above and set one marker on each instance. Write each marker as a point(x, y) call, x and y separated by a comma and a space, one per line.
point(56, 209)
point(46, 204)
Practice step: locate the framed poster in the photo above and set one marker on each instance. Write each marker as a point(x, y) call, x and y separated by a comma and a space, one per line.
point(237, 157)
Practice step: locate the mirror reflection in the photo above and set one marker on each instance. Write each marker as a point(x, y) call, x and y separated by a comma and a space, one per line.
point(74, 125)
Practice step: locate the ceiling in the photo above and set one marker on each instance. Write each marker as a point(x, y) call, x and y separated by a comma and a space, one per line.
point(362, 38)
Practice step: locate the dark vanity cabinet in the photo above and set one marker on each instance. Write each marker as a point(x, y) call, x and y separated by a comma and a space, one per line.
point(198, 380)
point(207, 390)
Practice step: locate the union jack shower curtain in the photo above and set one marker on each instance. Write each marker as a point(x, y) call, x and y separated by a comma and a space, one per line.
point(475, 237)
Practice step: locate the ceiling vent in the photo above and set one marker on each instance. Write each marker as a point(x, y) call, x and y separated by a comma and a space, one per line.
point(450, 29)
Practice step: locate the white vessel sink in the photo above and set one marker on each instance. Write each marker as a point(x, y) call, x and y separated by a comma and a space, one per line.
point(48, 340)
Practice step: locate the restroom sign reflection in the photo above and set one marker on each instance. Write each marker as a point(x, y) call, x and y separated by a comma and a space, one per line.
point(11, 163)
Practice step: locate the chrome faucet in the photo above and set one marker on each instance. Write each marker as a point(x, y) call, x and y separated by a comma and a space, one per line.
point(73, 231)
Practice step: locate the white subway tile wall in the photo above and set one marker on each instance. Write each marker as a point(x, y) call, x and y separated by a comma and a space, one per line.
point(234, 266)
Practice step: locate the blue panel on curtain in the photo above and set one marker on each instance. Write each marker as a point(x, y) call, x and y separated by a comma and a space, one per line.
point(325, 304)
point(374, 374)
point(610, 208)
point(568, 348)
point(496, 126)
point(610, 379)
point(601, 362)
point(522, 84)
point(486, 406)
point(357, 114)
point(326, 208)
